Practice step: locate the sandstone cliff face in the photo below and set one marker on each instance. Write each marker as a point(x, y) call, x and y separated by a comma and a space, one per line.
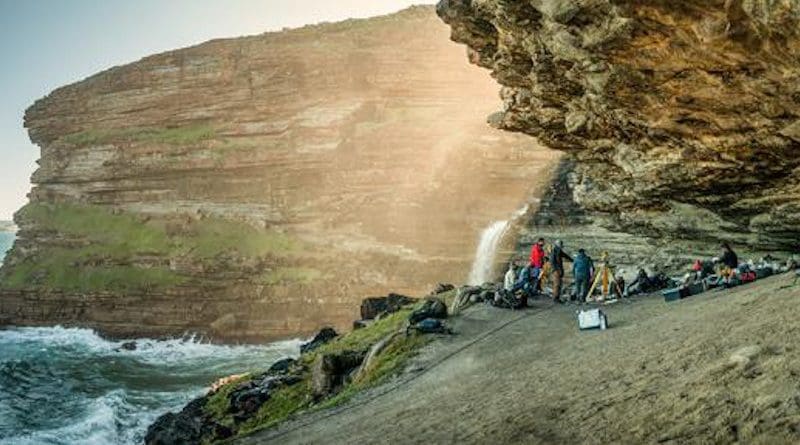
point(683, 116)
point(260, 187)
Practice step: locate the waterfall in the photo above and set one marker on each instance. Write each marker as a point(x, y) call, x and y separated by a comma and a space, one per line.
point(485, 255)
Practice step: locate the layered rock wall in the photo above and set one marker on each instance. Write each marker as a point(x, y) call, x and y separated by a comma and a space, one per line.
point(683, 116)
point(261, 187)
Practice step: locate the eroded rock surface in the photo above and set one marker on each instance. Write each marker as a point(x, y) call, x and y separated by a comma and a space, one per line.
point(683, 117)
point(353, 144)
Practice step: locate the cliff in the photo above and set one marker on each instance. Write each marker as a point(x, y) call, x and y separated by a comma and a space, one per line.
point(260, 187)
point(682, 118)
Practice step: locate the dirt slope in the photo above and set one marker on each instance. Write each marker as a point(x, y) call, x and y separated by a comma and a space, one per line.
point(720, 368)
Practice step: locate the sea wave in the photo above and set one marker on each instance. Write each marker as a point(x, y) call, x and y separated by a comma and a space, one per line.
point(68, 386)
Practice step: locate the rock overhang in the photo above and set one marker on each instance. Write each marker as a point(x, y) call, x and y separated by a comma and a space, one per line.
point(676, 112)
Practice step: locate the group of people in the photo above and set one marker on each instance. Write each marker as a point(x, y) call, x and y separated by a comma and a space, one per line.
point(529, 281)
point(547, 263)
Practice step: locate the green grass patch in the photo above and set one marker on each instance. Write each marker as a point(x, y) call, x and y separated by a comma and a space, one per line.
point(106, 241)
point(183, 135)
point(62, 270)
point(210, 236)
point(218, 405)
point(119, 234)
point(284, 402)
point(362, 339)
point(291, 275)
point(390, 362)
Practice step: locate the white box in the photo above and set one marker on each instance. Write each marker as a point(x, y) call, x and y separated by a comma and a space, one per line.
point(592, 319)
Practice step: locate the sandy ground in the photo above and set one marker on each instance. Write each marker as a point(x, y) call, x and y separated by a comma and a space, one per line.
point(718, 368)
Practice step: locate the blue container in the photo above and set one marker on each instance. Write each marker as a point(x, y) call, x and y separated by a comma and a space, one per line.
point(673, 294)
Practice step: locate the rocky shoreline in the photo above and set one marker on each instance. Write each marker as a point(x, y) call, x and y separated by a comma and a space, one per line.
point(330, 369)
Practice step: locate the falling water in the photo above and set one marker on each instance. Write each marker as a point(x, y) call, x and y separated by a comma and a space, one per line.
point(490, 240)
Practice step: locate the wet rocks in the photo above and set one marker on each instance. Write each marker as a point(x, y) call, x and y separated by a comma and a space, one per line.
point(282, 366)
point(185, 427)
point(129, 346)
point(323, 336)
point(371, 308)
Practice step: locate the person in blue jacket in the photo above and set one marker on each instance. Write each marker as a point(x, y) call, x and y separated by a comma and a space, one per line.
point(582, 269)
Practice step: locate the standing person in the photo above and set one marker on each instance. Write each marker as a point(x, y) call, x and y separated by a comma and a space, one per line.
point(557, 257)
point(510, 278)
point(729, 257)
point(582, 270)
point(537, 263)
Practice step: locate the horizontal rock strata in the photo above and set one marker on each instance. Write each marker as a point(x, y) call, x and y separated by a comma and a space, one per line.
point(260, 187)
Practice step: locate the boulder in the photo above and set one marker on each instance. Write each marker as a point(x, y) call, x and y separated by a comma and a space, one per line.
point(371, 308)
point(442, 288)
point(331, 371)
point(281, 366)
point(180, 428)
point(129, 346)
point(323, 336)
point(432, 308)
point(361, 324)
point(248, 397)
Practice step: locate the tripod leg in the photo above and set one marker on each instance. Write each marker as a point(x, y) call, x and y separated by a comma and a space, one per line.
point(590, 295)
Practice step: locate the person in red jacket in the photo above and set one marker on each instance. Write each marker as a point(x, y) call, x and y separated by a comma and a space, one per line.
point(537, 263)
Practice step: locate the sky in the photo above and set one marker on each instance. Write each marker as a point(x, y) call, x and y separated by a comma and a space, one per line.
point(45, 44)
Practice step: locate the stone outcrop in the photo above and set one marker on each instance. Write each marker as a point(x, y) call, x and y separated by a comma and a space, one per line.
point(351, 149)
point(683, 118)
point(374, 307)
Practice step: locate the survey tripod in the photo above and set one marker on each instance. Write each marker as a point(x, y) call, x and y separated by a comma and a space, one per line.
point(604, 276)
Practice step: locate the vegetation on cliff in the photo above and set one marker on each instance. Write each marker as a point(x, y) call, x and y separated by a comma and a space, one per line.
point(119, 252)
point(179, 135)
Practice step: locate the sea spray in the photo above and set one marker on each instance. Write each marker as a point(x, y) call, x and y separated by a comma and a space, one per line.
point(68, 386)
point(491, 237)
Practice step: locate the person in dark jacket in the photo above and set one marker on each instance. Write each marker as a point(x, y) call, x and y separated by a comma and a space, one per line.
point(642, 284)
point(557, 257)
point(729, 257)
point(582, 270)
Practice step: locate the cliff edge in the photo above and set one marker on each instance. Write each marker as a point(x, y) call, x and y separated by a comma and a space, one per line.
point(261, 187)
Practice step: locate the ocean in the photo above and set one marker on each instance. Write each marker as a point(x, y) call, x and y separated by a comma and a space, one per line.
point(6, 240)
point(70, 386)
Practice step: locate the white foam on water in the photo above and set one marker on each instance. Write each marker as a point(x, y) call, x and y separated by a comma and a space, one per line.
point(176, 350)
point(491, 237)
point(90, 390)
